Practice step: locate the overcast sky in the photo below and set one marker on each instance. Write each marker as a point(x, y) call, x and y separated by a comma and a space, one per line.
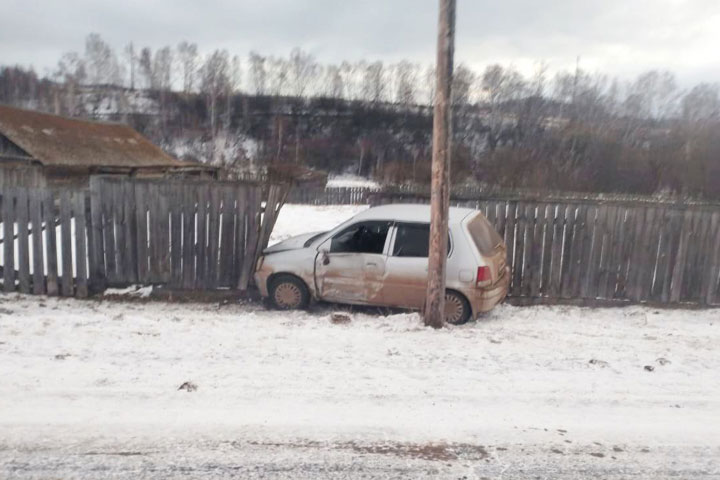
point(617, 37)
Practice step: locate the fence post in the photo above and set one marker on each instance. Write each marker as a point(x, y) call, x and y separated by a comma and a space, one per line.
point(97, 281)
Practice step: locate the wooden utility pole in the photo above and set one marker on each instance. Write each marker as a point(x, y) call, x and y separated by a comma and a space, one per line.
point(440, 193)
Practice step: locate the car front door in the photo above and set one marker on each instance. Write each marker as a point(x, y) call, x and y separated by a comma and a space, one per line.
point(350, 266)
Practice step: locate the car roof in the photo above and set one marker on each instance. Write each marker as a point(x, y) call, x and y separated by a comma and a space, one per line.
point(410, 212)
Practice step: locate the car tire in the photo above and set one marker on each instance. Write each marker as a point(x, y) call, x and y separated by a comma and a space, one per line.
point(457, 308)
point(287, 292)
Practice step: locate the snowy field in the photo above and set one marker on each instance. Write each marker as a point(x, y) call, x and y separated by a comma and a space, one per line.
point(92, 389)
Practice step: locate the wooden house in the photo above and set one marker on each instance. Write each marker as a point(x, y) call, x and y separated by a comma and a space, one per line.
point(38, 149)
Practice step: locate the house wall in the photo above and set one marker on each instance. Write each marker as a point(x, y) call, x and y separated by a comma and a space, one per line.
point(14, 175)
point(16, 169)
point(64, 177)
point(10, 151)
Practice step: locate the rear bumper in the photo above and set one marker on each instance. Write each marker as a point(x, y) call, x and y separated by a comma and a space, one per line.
point(485, 299)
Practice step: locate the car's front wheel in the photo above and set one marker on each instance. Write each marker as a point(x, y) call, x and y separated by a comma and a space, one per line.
point(457, 308)
point(288, 293)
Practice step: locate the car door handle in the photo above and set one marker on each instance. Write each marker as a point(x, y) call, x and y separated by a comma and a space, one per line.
point(371, 264)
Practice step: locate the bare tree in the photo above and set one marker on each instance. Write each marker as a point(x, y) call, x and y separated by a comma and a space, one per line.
point(374, 82)
point(702, 104)
point(214, 80)
point(131, 58)
point(500, 87)
point(188, 57)
point(463, 82)
point(71, 73)
point(303, 68)
point(334, 82)
point(278, 71)
point(653, 95)
point(101, 62)
point(233, 86)
point(353, 84)
point(429, 80)
point(258, 73)
point(405, 82)
point(145, 65)
point(163, 68)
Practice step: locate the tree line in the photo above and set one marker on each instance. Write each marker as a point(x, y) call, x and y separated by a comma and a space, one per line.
point(566, 130)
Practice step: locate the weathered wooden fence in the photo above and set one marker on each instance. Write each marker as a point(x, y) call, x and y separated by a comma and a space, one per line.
point(331, 195)
point(180, 233)
point(205, 235)
point(44, 241)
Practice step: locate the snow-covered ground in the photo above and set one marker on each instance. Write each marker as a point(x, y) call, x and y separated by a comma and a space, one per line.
point(91, 389)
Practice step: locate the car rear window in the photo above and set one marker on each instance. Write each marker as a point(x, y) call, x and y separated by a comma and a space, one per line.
point(483, 234)
point(413, 240)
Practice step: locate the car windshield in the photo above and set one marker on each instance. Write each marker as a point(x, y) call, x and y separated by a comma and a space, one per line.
point(484, 236)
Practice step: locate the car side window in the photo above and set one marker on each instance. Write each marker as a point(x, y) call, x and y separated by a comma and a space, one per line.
point(412, 240)
point(364, 237)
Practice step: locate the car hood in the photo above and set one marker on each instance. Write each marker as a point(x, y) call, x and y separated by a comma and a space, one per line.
point(292, 243)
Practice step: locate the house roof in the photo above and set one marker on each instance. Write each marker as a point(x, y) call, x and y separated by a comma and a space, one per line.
point(67, 142)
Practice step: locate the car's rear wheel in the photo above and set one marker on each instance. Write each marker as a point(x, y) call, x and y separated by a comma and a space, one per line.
point(457, 308)
point(289, 293)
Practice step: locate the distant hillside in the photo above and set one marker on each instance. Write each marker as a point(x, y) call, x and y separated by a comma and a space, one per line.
point(583, 144)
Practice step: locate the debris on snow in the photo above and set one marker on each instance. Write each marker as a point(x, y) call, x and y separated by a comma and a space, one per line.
point(599, 363)
point(136, 291)
point(188, 387)
point(340, 318)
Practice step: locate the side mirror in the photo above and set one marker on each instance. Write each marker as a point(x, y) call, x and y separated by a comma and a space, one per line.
point(325, 256)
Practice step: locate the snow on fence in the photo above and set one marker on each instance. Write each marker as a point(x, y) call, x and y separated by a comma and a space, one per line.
point(183, 234)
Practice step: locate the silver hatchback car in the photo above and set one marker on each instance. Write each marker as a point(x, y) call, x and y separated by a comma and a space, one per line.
point(380, 257)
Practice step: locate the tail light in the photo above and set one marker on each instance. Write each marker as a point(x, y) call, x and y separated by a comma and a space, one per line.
point(483, 276)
